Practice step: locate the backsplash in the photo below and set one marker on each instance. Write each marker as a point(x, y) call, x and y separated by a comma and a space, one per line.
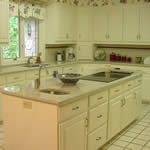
point(96, 3)
point(128, 52)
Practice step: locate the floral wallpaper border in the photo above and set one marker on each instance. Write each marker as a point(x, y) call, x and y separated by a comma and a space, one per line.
point(96, 3)
point(26, 10)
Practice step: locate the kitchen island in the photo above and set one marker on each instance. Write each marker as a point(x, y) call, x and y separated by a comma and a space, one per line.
point(81, 117)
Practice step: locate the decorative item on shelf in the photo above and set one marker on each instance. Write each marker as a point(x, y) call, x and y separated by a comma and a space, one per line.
point(112, 56)
point(138, 60)
point(129, 59)
point(38, 58)
point(124, 58)
point(118, 57)
point(147, 60)
point(100, 55)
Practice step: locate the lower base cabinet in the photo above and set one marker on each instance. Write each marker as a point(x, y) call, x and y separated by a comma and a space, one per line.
point(73, 133)
point(114, 117)
point(97, 138)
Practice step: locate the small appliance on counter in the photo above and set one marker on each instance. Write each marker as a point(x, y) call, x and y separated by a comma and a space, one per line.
point(69, 54)
point(59, 57)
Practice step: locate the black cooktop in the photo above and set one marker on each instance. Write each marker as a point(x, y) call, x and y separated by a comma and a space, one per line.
point(106, 77)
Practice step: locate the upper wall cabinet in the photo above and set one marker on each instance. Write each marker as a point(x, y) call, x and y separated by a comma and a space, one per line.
point(85, 24)
point(144, 35)
point(131, 24)
point(136, 24)
point(4, 18)
point(108, 24)
point(60, 23)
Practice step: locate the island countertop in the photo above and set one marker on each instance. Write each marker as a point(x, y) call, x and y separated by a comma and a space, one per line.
point(81, 89)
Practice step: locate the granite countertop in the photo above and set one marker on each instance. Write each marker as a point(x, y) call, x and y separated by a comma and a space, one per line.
point(83, 88)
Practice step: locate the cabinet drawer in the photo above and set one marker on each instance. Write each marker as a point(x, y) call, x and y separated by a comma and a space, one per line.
point(97, 116)
point(73, 109)
point(115, 91)
point(97, 138)
point(128, 85)
point(2, 80)
point(15, 77)
point(98, 98)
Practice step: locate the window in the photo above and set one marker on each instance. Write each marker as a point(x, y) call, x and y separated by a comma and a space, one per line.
point(12, 50)
point(31, 28)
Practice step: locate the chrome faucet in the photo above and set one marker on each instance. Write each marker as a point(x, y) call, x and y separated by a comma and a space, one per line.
point(29, 59)
point(38, 81)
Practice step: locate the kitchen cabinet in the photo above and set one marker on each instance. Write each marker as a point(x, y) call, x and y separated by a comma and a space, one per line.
point(114, 116)
point(60, 23)
point(4, 25)
point(84, 51)
point(145, 87)
point(127, 109)
point(85, 24)
point(73, 133)
point(144, 35)
point(131, 24)
point(97, 138)
point(97, 120)
point(136, 24)
point(108, 24)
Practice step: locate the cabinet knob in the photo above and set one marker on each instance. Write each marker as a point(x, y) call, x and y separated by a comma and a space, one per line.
point(75, 108)
point(99, 138)
point(100, 98)
point(99, 116)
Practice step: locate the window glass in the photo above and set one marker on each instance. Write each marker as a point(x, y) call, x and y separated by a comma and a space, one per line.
point(12, 50)
point(31, 30)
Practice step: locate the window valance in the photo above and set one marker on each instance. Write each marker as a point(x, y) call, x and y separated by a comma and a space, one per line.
point(26, 10)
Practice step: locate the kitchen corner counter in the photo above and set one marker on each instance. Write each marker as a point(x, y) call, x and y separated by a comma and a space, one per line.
point(83, 88)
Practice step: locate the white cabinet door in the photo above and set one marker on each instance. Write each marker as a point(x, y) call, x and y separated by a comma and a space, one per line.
point(130, 24)
point(85, 24)
point(127, 109)
point(144, 24)
point(115, 24)
point(60, 23)
point(73, 134)
point(4, 18)
point(84, 51)
point(145, 87)
point(97, 138)
point(69, 21)
point(114, 117)
point(101, 24)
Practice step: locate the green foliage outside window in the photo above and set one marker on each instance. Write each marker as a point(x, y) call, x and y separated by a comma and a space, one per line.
point(12, 50)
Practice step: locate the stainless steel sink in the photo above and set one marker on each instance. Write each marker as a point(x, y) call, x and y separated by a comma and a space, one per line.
point(54, 91)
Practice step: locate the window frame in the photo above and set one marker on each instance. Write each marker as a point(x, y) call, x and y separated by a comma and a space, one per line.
point(22, 59)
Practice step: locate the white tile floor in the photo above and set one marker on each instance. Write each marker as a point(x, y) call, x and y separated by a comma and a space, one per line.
point(136, 137)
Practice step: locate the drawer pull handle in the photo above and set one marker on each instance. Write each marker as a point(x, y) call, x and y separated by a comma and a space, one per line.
point(75, 108)
point(100, 98)
point(99, 138)
point(99, 116)
point(117, 90)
